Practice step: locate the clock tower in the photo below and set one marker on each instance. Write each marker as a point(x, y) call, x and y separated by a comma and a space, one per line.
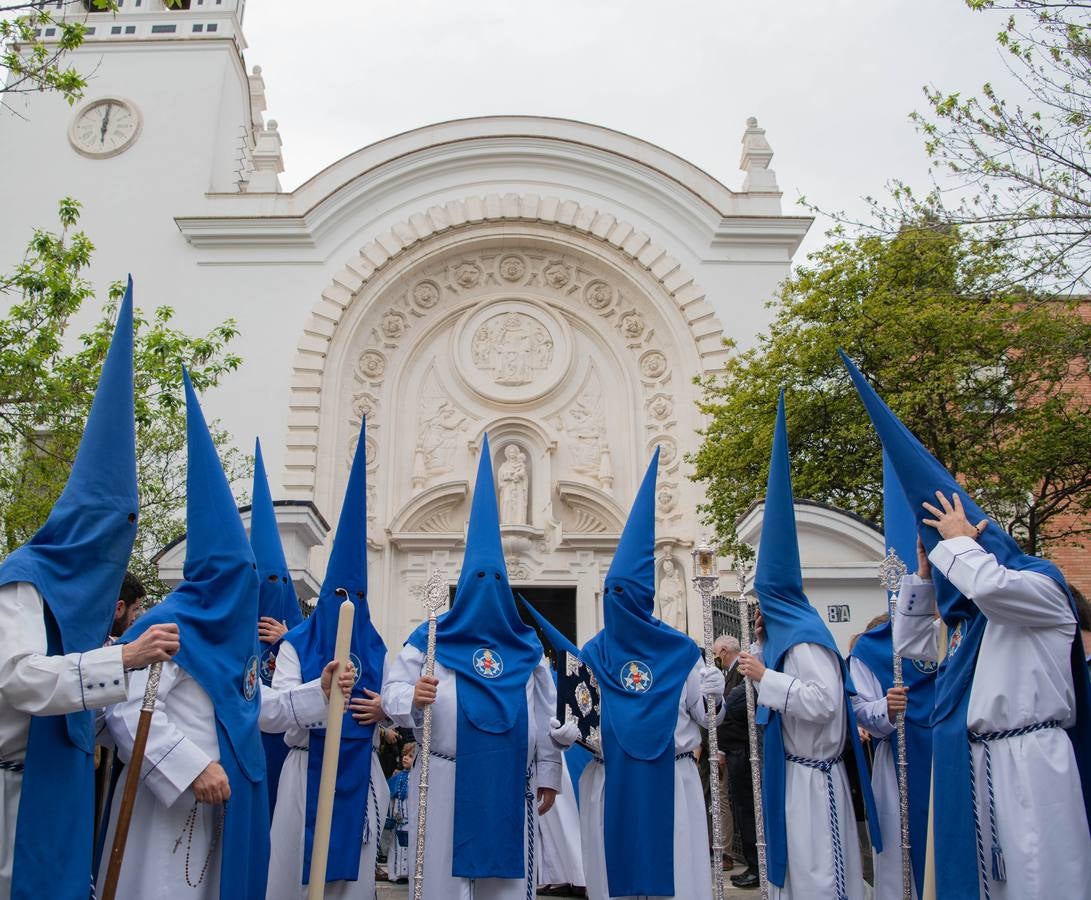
point(170, 115)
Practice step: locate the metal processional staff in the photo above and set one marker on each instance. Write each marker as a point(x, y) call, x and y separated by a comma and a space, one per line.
point(745, 610)
point(435, 591)
point(891, 572)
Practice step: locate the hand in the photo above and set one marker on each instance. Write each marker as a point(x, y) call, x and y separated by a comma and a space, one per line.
point(951, 521)
point(564, 736)
point(367, 710)
point(712, 682)
point(864, 736)
point(751, 667)
point(759, 627)
point(212, 786)
point(270, 630)
point(897, 698)
point(345, 680)
point(158, 644)
point(546, 798)
point(924, 567)
point(424, 693)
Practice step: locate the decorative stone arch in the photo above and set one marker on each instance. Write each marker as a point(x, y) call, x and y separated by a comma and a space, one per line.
point(377, 257)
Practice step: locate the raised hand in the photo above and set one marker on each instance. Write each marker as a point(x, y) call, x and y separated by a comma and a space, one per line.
point(951, 521)
point(158, 644)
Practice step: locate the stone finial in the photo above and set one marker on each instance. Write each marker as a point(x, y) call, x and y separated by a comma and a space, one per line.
point(257, 97)
point(756, 156)
point(268, 160)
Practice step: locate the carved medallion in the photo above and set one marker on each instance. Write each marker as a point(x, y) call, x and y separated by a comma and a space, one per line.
point(512, 268)
point(467, 274)
point(666, 498)
point(599, 295)
point(653, 364)
point(557, 275)
point(426, 294)
point(364, 405)
point(371, 366)
point(632, 325)
point(393, 324)
point(660, 407)
point(512, 350)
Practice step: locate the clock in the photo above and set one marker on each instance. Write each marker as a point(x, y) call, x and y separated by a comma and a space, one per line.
point(105, 128)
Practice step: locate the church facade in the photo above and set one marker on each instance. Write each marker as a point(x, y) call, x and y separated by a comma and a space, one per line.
point(555, 284)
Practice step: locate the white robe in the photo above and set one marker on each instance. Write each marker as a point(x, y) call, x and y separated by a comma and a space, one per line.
point(809, 695)
point(35, 684)
point(1023, 676)
point(286, 836)
point(560, 860)
point(439, 883)
point(692, 867)
point(869, 704)
point(181, 743)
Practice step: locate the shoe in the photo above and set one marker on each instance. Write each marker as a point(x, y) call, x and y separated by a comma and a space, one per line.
point(748, 879)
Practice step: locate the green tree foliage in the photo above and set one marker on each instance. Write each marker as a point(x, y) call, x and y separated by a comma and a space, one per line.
point(47, 383)
point(1015, 162)
point(986, 377)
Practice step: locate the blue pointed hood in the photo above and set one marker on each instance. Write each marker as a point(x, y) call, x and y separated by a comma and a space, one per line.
point(216, 609)
point(641, 665)
point(899, 523)
point(493, 654)
point(346, 578)
point(277, 597)
point(778, 579)
point(78, 558)
point(789, 620)
point(315, 641)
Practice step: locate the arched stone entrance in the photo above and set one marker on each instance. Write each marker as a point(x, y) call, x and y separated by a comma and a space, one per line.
point(569, 338)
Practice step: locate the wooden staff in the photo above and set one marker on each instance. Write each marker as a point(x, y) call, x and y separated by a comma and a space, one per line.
point(434, 592)
point(323, 820)
point(132, 781)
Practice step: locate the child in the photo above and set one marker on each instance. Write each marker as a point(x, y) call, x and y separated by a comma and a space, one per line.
point(398, 863)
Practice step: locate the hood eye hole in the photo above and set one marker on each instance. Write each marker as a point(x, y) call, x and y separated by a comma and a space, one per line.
point(284, 578)
point(496, 575)
point(617, 588)
point(132, 518)
point(254, 566)
point(480, 574)
point(273, 578)
point(360, 594)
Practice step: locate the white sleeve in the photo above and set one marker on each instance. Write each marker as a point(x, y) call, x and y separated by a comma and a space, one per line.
point(171, 760)
point(869, 701)
point(1009, 596)
point(38, 684)
point(544, 708)
point(398, 687)
point(814, 695)
point(914, 623)
point(696, 707)
point(290, 703)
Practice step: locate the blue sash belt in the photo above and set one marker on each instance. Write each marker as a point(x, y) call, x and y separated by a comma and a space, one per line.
point(999, 870)
point(825, 766)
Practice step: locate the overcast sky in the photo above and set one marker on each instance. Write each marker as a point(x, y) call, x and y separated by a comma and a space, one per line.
point(831, 81)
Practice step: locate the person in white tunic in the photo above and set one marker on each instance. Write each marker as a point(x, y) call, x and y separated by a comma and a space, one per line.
point(57, 598)
point(810, 730)
point(493, 767)
point(1012, 723)
point(877, 703)
point(642, 807)
point(361, 794)
point(206, 743)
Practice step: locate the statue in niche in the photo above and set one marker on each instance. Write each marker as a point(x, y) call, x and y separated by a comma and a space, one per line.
point(438, 435)
point(513, 347)
point(672, 596)
point(513, 486)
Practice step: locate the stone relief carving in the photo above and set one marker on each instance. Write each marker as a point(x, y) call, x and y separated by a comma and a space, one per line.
point(668, 450)
point(439, 424)
point(426, 295)
point(513, 483)
point(672, 595)
point(512, 347)
point(371, 366)
point(660, 406)
point(599, 295)
point(666, 498)
point(512, 268)
point(394, 324)
point(517, 569)
point(653, 364)
point(584, 425)
point(467, 274)
point(631, 325)
point(365, 405)
point(557, 275)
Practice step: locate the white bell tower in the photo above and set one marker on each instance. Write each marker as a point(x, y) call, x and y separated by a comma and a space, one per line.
point(169, 115)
